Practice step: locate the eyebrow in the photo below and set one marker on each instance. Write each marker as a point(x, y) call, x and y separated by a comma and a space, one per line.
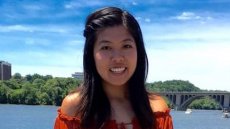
point(104, 41)
point(125, 40)
point(128, 40)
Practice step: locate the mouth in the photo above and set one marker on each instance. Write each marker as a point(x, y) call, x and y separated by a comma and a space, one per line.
point(118, 69)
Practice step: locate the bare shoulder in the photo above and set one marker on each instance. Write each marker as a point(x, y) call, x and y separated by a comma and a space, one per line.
point(157, 103)
point(70, 103)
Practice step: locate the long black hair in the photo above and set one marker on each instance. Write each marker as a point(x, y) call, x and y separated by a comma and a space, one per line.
point(94, 107)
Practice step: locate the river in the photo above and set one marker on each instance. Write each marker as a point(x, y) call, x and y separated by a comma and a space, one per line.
point(42, 117)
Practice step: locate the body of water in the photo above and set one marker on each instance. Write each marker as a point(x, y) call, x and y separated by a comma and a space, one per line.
point(42, 117)
point(27, 117)
point(200, 119)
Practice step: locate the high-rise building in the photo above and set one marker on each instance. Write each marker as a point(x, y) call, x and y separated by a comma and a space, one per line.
point(5, 70)
point(78, 75)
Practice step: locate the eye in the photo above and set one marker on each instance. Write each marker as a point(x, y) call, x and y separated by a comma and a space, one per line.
point(128, 46)
point(105, 48)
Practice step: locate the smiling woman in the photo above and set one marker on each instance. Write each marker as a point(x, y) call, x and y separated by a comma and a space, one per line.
point(115, 56)
point(113, 94)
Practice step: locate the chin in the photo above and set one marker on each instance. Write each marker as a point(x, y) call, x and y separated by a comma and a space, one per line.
point(119, 84)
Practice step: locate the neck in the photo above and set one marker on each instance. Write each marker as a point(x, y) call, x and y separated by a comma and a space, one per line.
point(115, 92)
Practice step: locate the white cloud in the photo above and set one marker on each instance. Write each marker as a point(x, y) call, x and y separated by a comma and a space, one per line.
point(166, 35)
point(30, 28)
point(185, 16)
point(80, 4)
point(32, 41)
point(15, 28)
point(147, 20)
point(143, 19)
point(138, 19)
point(33, 7)
point(134, 3)
point(73, 5)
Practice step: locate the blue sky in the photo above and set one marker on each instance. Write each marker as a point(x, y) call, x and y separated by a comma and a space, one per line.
point(187, 40)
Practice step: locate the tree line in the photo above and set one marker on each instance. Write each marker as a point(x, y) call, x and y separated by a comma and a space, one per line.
point(36, 89)
point(47, 90)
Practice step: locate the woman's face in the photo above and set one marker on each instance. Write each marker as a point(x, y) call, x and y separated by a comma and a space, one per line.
point(115, 55)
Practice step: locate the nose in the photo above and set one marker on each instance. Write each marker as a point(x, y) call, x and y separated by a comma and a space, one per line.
point(117, 56)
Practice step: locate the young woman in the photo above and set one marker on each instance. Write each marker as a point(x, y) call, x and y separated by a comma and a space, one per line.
point(113, 95)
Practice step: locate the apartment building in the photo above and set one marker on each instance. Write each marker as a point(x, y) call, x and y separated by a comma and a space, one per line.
point(5, 70)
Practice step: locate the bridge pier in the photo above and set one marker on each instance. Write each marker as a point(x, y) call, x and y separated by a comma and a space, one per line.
point(226, 101)
point(178, 102)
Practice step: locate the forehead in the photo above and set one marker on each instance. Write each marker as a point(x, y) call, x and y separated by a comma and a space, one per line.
point(114, 34)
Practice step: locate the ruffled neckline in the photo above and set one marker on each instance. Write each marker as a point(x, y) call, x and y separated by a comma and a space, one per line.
point(134, 120)
point(67, 117)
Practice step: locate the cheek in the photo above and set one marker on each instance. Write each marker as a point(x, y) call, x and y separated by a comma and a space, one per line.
point(97, 57)
point(100, 60)
point(133, 58)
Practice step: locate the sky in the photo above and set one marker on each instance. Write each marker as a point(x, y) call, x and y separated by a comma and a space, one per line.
point(184, 40)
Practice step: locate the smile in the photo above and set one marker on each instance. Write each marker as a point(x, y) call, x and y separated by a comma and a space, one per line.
point(118, 70)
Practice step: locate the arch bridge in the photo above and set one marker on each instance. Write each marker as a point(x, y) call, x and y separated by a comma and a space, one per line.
point(181, 100)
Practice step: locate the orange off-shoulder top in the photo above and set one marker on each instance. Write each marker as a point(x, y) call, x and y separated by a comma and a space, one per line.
point(163, 121)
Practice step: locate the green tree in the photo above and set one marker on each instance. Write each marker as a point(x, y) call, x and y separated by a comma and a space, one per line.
point(17, 96)
point(204, 103)
point(47, 77)
point(30, 96)
point(3, 93)
point(50, 88)
point(17, 76)
point(172, 85)
point(38, 83)
point(29, 78)
point(44, 99)
point(35, 76)
point(13, 83)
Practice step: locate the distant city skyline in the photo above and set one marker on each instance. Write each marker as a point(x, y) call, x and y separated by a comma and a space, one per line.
point(185, 40)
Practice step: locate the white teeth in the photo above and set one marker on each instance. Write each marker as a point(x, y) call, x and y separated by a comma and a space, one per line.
point(117, 70)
